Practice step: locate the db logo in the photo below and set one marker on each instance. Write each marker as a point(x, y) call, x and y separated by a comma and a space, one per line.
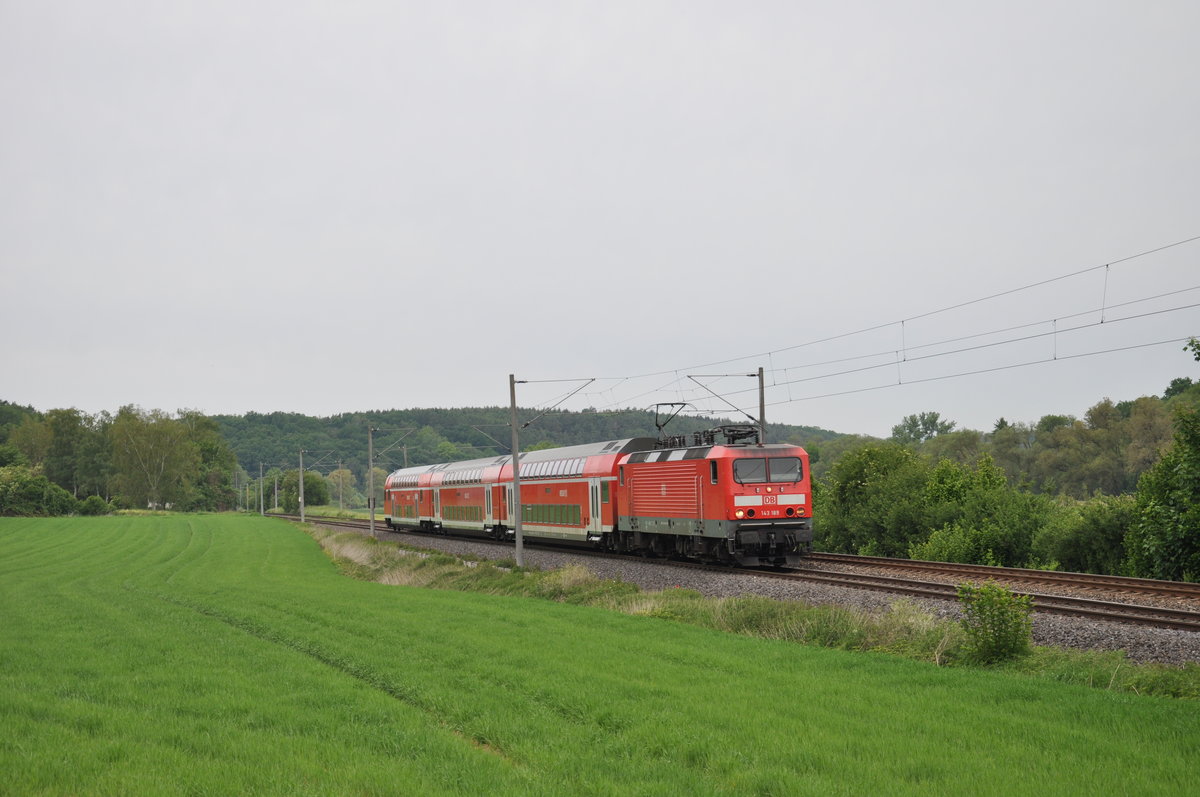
point(770, 499)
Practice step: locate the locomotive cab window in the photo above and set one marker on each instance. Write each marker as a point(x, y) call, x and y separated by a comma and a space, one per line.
point(750, 471)
point(712, 471)
point(785, 469)
point(758, 470)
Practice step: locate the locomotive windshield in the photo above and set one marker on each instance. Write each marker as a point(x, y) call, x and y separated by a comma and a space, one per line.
point(756, 470)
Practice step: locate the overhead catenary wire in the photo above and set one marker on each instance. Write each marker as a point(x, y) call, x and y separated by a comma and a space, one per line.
point(927, 314)
point(1002, 330)
point(908, 352)
point(985, 370)
point(1055, 332)
point(906, 355)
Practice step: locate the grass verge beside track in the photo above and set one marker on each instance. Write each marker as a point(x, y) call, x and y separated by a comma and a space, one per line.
point(906, 629)
point(219, 654)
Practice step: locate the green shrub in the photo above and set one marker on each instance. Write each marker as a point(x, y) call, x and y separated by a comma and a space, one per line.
point(1164, 540)
point(24, 492)
point(94, 505)
point(997, 622)
point(1086, 536)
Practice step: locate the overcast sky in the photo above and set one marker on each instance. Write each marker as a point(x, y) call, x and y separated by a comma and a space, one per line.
point(343, 206)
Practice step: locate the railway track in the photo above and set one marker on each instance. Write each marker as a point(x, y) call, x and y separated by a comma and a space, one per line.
point(1067, 605)
point(1086, 581)
point(1116, 611)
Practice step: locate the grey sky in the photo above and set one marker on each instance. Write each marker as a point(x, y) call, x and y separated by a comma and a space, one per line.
point(206, 204)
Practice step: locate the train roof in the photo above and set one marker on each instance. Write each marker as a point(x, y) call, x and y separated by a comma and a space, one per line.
point(542, 455)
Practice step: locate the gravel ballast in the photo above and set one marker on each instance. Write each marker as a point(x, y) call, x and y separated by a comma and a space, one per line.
point(1141, 643)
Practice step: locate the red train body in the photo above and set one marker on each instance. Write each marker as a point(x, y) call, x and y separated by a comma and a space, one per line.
point(739, 503)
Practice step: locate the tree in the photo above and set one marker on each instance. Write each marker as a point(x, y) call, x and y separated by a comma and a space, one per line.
point(344, 487)
point(449, 452)
point(1103, 442)
point(93, 457)
point(211, 488)
point(870, 502)
point(12, 416)
point(316, 490)
point(962, 446)
point(32, 438)
point(11, 455)
point(1148, 435)
point(921, 427)
point(1177, 386)
point(67, 432)
point(1048, 423)
point(1012, 446)
point(152, 457)
point(1165, 539)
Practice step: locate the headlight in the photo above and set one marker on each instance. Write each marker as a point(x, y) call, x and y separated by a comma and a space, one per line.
point(739, 514)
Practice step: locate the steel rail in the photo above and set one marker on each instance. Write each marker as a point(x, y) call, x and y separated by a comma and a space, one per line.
point(1084, 580)
point(1135, 613)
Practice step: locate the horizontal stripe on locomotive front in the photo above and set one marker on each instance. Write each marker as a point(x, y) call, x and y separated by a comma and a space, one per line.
point(758, 500)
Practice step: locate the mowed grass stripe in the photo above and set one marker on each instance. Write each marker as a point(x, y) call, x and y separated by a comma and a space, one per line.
point(27, 550)
point(220, 654)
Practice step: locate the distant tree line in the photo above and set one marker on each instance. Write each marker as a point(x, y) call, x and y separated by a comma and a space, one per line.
point(65, 461)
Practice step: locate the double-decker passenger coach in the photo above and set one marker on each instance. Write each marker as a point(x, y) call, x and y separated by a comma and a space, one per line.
point(735, 501)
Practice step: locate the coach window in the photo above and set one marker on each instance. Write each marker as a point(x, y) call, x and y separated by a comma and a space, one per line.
point(604, 492)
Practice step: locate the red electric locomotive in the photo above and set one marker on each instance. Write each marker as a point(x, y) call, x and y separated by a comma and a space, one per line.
point(734, 501)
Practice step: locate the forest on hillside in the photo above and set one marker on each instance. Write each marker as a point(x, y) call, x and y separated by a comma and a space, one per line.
point(430, 436)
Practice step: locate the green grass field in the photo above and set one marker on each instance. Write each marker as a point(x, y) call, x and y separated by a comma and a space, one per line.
point(227, 655)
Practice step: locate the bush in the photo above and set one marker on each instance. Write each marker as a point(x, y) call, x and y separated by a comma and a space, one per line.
point(26, 493)
point(1164, 541)
point(94, 505)
point(952, 543)
point(1088, 536)
point(871, 502)
point(997, 622)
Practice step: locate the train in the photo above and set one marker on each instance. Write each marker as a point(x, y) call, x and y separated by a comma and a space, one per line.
point(718, 496)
